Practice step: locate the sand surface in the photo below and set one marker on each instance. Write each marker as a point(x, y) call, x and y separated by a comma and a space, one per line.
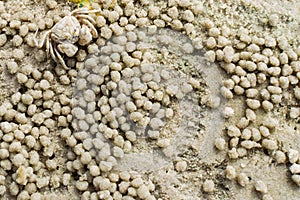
point(184, 158)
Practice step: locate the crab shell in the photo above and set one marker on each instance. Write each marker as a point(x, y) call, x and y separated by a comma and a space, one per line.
point(69, 31)
point(66, 31)
point(75, 28)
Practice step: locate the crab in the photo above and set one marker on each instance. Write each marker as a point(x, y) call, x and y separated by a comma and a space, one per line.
point(76, 27)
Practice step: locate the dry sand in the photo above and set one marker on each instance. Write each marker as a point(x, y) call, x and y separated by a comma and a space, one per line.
point(182, 162)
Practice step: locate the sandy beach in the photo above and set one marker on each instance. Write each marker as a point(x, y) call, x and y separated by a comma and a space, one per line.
point(166, 100)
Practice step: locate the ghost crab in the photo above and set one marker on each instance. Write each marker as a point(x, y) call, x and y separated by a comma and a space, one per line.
point(77, 26)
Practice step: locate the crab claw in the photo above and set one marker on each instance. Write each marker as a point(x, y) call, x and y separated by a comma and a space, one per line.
point(69, 49)
point(85, 36)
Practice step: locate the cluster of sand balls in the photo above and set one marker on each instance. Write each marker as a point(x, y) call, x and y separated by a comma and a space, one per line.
point(112, 105)
point(293, 158)
point(119, 96)
point(265, 71)
point(243, 180)
point(27, 123)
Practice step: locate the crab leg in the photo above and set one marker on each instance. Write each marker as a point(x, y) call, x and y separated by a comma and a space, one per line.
point(81, 16)
point(91, 26)
point(42, 40)
point(48, 45)
point(80, 10)
point(50, 48)
point(60, 59)
point(84, 11)
point(94, 11)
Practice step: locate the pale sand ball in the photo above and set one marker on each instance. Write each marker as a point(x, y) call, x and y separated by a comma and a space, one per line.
point(66, 179)
point(163, 142)
point(264, 131)
point(14, 189)
point(248, 144)
point(293, 155)
point(220, 144)
point(243, 123)
point(230, 172)
point(153, 134)
point(250, 115)
point(17, 40)
point(211, 43)
point(105, 166)
point(11, 66)
point(82, 185)
point(246, 134)
point(208, 186)
point(234, 142)
point(23, 195)
point(6, 127)
point(233, 154)
point(18, 54)
point(210, 57)
point(156, 123)
point(118, 152)
point(225, 92)
point(243, 179)
point(22, 78)
point(3, 39)
point(233, 131)
point(169, 113)
point(51, 164)
point(137, 182)
point(36, 196)
point(242, 152)
point(294, 112)
point(2, 189)
point(86, 158)
point(270, 144)
point(297, 92)
point(124, 175)
point(18, 159)
point(296, 179)
point(153, 12)
point(295, 168)
point(253, 104)
point(260, 186)
point(181, 166)
point(280, 157)
point(132, 191)
point(143, 192)
point(267, 105)
point(42, 182)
